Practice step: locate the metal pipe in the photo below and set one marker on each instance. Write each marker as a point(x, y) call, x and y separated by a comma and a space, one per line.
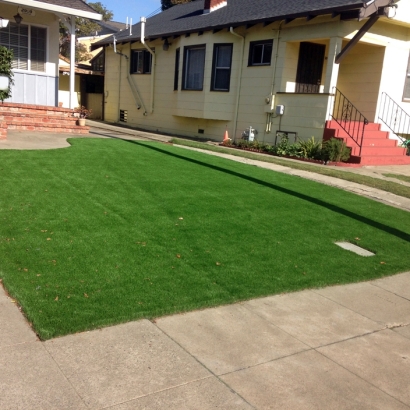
point(238, 88)
point(72, 60)
point(153, 62)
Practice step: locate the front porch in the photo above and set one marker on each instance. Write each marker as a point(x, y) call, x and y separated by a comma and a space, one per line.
point(346, 100)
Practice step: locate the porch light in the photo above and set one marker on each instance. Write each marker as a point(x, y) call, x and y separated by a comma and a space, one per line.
point(18, 18)
point(3, 22)
point(166, 45)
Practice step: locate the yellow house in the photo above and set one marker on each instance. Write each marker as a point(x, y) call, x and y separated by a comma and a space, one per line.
point(322, 68)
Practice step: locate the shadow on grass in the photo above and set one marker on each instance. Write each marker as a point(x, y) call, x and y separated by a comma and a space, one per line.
point(334, 208)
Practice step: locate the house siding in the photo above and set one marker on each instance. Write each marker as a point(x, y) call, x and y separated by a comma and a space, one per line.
point(33, 87)
point(363, 75)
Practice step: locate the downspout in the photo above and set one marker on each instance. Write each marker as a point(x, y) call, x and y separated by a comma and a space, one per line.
point(119, 79)
point(119, 84)
point(268, 128)
point(132, 85)
point(276, 58)
point(238, 88)
point(143, 21)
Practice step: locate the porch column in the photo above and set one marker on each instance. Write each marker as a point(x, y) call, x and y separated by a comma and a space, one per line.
point(332, 71)
point(72, 61)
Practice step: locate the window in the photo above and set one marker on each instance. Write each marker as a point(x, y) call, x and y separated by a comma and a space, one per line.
point(406, 93)
point(193, 73)
point(176, 73)
point(98, 62)
point(260, 52)
point(141, 61)
point(221, 67)
point(29, 45)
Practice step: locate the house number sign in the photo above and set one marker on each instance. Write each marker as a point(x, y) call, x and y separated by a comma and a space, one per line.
point(26, 11)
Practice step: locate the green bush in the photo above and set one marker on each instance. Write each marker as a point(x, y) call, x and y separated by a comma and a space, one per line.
point(335, 150)
point(310, 148)
point(6, 58)
point(406, 143)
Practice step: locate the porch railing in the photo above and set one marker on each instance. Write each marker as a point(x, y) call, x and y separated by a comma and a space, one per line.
point(351, 120)
point(394, 117)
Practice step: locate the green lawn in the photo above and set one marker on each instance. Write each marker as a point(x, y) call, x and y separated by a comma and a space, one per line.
point(388, 186)
point(404, 178)
point(108, 231)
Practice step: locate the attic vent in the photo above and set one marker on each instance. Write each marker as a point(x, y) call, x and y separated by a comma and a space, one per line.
point(123, 115)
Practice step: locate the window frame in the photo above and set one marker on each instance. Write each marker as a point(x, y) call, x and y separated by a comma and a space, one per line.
point(252, 46)
point(176, 72)
point(406, 88)
point(185, 73)
point(30, 47)
point(146, 66)
point(215, 68)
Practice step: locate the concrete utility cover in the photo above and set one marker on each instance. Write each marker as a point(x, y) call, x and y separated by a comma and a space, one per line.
point(354, 248)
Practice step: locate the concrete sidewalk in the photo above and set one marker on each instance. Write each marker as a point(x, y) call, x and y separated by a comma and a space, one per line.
point(342, 347)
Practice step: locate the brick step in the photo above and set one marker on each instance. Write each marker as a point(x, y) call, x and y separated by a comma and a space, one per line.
point(381, 151)
point(380, 160)
point(371, 126)
point(41, 121)
point(38, 109)
point(75, 129)
point(377, 147)
point(368, 134)
point(378, 142)
point(25, 117)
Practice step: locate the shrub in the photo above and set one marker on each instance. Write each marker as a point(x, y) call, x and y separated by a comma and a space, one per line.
point(406, 143)
point(6, 58)
point(335, 150)
point(310, 148)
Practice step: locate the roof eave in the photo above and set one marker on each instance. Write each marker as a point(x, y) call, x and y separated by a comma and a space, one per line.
point(56, 9)
point(270, 20)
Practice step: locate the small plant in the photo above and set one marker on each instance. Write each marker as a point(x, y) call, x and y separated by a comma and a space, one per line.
point(406, 144)
point(282, 148)
point(6, 59)
point(242, 143)
point(310, 148)
point(335, 150)
point(82, 112)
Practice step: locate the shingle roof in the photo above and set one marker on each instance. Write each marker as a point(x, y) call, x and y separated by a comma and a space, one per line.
point(188, 17)
point(74, 4)
point(109, 27)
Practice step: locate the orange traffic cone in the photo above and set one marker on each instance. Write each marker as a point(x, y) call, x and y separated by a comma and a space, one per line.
point(226, 137)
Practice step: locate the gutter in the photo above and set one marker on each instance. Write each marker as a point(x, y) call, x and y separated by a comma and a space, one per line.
point(153, 63)
point(56, 9)
point(238, 88)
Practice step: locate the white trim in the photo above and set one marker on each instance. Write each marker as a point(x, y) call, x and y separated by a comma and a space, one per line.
point(53, 8)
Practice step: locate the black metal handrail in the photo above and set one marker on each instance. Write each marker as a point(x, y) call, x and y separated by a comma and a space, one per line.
point(394, 117)
point(349, 118)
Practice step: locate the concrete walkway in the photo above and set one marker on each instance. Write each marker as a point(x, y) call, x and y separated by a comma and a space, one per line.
point(342, 347)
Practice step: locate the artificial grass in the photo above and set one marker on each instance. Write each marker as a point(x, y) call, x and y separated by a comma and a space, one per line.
point(388, 186)
point(108, 231)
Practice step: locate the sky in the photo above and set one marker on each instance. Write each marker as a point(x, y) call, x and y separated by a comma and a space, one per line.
point(130, 8)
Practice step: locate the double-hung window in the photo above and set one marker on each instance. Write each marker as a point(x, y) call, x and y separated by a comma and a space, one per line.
point(221, 67)
point(260, 52)
point(193, 69)
point(406, 93)
point(141, 61)
point(29, 46)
